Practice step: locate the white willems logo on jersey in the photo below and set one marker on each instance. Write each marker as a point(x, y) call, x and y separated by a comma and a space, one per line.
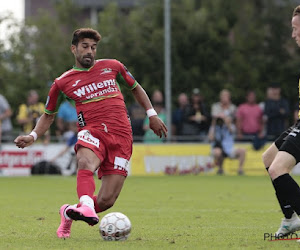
point(76, 82)
point(108, 86)
point(105, 71)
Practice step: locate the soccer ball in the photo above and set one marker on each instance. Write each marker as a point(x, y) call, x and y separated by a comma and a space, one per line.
point(115, 226)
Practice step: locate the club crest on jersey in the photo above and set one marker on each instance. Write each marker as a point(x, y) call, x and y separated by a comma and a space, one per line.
point(105, 71)
point(92, 87)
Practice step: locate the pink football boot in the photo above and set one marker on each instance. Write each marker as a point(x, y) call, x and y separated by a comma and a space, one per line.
point(84, 213)
point(64, 229)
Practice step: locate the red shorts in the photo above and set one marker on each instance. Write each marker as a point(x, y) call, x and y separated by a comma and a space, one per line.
point(114, 151)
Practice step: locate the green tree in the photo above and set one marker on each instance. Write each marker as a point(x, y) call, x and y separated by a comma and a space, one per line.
point(215, 44)
point(39, 52)
point(137, 42)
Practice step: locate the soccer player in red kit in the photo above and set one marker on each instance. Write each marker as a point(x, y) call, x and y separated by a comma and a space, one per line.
point(104, 130)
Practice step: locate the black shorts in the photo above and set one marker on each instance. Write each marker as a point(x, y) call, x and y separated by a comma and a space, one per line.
point(289, 141)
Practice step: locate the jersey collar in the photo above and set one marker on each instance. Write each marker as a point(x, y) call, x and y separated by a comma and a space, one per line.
point(82, 69)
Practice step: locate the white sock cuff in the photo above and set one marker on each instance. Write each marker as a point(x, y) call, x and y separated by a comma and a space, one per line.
point(87, 201)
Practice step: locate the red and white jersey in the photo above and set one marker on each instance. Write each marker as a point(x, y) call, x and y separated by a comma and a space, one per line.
point(96, 94)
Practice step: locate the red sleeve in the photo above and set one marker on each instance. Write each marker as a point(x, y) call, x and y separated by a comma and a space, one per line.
point(125, 78)
point(54, 99)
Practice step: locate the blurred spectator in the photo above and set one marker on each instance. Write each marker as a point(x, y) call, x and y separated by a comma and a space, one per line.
point(137, 115)
point(268, 96)
point(69, 143)
point(5, 114)
point(221, 133)
point(250, 121)
point(178, 114)
point(196, 118)
point(30, 112)
point(276, 110)
point(69, 148)
point(66, 120)
point(158, 98)
point(224, 108)
point(158, 104)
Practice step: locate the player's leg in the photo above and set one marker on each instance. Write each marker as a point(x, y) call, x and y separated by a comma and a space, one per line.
point(268, 157)
point(111, 186)
point(285, 186)
point(282, 164)
point(64, 229)
point(113, 170)
point(88, 162)
point(286, 189)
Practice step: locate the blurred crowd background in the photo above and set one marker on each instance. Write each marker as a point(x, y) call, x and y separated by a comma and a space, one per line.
point(232, 62)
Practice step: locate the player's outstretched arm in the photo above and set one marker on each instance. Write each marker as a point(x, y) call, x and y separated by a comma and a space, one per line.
point(155, 123)
point(41, 127)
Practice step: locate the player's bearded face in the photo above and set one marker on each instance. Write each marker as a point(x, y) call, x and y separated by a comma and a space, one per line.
point(85, 52)
point(86, 60)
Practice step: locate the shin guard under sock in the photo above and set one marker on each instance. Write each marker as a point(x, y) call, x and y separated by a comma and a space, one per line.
point(85, 183)
point(286, 187)
point(284, 204)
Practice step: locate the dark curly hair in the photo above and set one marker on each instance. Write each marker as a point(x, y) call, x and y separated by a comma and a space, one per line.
point(82, 33)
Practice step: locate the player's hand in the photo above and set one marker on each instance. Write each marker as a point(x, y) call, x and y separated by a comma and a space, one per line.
point(23, 141)
point(158, 126)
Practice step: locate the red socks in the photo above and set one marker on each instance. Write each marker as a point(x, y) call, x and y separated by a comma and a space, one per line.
point(97, 208)
point(85, 183)
point(86, 186)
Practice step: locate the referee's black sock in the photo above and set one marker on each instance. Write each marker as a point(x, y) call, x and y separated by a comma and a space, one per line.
point(286, 187)
point(285, 206)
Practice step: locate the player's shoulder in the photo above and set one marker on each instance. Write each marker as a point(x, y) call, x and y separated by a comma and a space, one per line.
point(108, 63)
point(64, 75)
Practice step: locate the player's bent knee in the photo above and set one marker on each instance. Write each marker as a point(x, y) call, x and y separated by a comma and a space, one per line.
point(267, 159)
point(83, 163)
point(273, 172)
point(106, 202)
point(269, 155)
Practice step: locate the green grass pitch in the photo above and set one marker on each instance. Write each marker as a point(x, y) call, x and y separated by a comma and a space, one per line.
point(166, 212)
